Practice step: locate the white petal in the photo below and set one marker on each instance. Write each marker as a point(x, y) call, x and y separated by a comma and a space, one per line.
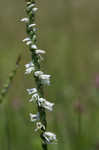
point(29, 70)
point(38, 51)
point(31, 6)
point(31, 91)
point(45, 79)
point(45, 104)
point(34, 98)
point(29, 65)
point(39, 125)
point(34, 29)
point(34, 9)
point(28, 42)
point(28, 3)
point(26, 20)
point(26, 39)
point(34, 117)
point(33, 46)
point(50, 137)
point(38, 73)
point(32, 25)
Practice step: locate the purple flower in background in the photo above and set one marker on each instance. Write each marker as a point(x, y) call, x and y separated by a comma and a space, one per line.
point(16, 104)
point(97, 81)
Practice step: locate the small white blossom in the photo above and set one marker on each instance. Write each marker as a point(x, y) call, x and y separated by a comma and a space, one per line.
point(34, 29)
point(26, 39)
point(39, 126)
point(34, 9)
point(34, 98)
point(28, 3)
point(29, 70)
point(50, 138)
point(38, 73)
point(33, 46)
point(38, 51)
point(32, 25)
point(28, 42)
point(34, 117)
point(29, 65)
point(32, 91)
point(26, 20)
point(45, 104)
point(31, 6)
point(45, 79)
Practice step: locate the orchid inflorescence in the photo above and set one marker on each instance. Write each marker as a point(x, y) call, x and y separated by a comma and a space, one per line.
point(41, 79)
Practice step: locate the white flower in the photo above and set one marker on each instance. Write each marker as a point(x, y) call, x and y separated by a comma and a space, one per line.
point(38, 73)
point(38, 51)
point(34, 9)
point(29, 42)
point(45, 104)
point(29, 65)
point(50, 138)
point(34, 98)
point(39, 125)
point(34, 117)
point(26, 39)
point(26, 20)
point(28, 3)
point(31, 6)
point(32, 25)
point(45, 79)
point(34, 29)
point(32, 91)
point(29, 70)
point(33, 46)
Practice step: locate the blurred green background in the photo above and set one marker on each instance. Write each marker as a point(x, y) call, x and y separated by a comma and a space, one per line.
point(69, 32)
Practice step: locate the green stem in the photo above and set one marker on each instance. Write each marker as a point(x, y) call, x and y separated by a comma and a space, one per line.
point(7, 129)
point(79, 128)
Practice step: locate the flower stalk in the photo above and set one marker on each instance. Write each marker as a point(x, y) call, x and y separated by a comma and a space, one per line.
point(6, 86)
point(41, 79)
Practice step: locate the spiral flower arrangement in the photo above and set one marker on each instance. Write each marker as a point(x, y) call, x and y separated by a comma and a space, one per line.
point(41, 79)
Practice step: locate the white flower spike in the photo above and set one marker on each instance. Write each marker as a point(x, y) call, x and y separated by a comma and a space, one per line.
point(41, 79)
